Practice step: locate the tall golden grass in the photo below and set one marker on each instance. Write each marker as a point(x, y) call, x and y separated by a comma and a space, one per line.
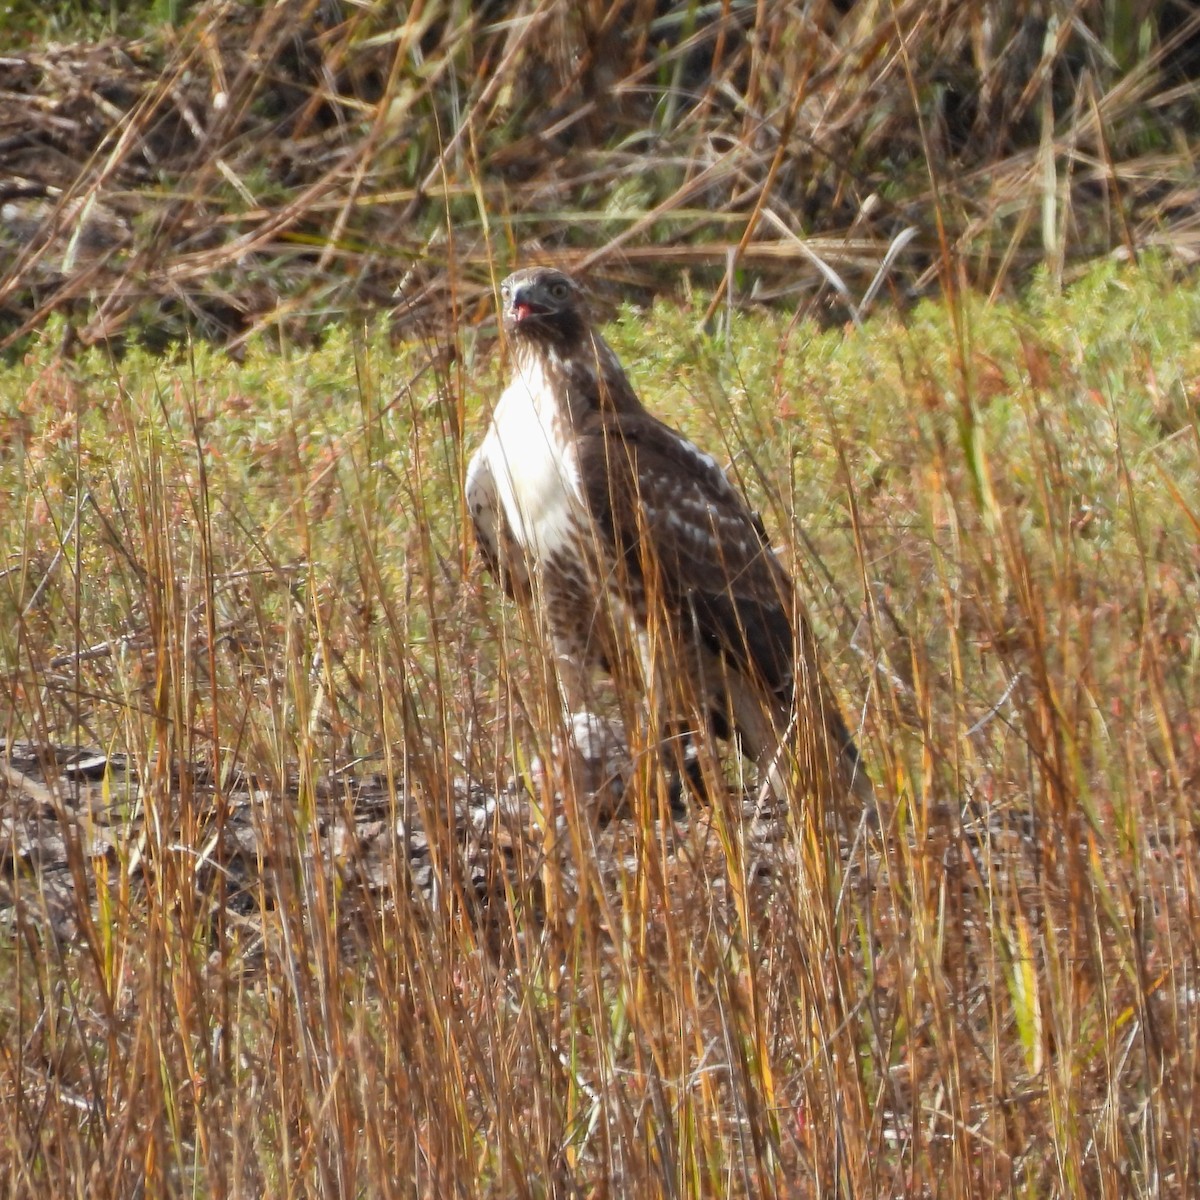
point(330, 929)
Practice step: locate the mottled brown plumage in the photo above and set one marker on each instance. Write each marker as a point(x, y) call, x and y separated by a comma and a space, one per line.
point(622, 533)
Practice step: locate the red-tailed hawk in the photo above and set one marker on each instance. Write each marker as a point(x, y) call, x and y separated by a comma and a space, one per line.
point(620, 533)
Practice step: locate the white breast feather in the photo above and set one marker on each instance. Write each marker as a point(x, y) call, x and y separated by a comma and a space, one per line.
point(520, 470)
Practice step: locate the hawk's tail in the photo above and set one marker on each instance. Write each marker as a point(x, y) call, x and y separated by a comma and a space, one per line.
point(824, 746)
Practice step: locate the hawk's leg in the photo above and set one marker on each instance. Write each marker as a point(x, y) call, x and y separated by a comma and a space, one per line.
point(592, 752)
point(680, 751)
point(683, 726)
point(597, 748)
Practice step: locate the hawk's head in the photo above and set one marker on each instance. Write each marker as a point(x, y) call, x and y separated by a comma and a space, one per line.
point(543, 305)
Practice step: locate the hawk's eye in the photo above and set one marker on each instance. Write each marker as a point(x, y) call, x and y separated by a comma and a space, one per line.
point(558, 290)
point(504, 291)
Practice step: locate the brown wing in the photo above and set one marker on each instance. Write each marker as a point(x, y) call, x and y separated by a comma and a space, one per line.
point(666, 507)
point(493, 535)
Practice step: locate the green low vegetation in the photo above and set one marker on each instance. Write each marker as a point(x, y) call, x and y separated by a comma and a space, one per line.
point(260, 566)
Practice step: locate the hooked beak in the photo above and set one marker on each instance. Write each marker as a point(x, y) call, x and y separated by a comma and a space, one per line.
point(523, 307)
